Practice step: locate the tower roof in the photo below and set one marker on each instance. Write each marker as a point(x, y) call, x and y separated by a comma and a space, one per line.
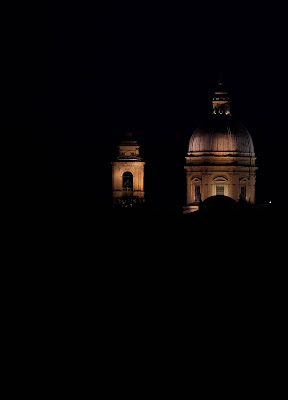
point(221, 132)
point(128, 148)
point(128, 139)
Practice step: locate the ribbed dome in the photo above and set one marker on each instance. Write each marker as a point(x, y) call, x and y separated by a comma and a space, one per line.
point(221, 133)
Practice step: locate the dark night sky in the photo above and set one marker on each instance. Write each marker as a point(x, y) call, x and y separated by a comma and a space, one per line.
point(153, 67)
point(91, 71)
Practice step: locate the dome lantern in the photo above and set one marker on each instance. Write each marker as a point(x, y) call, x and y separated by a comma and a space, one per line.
point(220, 101)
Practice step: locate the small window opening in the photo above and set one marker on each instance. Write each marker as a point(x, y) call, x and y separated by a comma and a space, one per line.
point(197, 193)
point(243, 192)
point(219, 190)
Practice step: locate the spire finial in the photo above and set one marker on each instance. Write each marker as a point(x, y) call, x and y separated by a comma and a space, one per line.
point(220, 80)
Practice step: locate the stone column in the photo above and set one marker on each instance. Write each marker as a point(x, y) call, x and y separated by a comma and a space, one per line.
point(189, 188)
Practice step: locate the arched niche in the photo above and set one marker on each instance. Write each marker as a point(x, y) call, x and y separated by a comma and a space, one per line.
point(127, 182)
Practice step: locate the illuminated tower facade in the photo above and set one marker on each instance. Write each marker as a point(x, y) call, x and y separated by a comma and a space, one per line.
point(128, 172)
point(221, 158)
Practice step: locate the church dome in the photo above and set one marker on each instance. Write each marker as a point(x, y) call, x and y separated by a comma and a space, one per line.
point(221, 133)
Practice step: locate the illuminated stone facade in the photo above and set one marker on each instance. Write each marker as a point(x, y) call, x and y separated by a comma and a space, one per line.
point(220, 158)
point(128, 171)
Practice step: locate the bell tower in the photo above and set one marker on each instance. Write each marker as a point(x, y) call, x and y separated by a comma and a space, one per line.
point(128, 172)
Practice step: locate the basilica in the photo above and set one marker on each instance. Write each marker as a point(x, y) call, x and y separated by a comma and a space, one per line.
point(220, 161)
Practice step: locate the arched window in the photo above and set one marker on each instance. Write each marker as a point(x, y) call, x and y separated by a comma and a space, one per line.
point(196, 189)
point(220, 185)
point(127, 185)
point(197, 193)
point(243, 188)
point(243, 192)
